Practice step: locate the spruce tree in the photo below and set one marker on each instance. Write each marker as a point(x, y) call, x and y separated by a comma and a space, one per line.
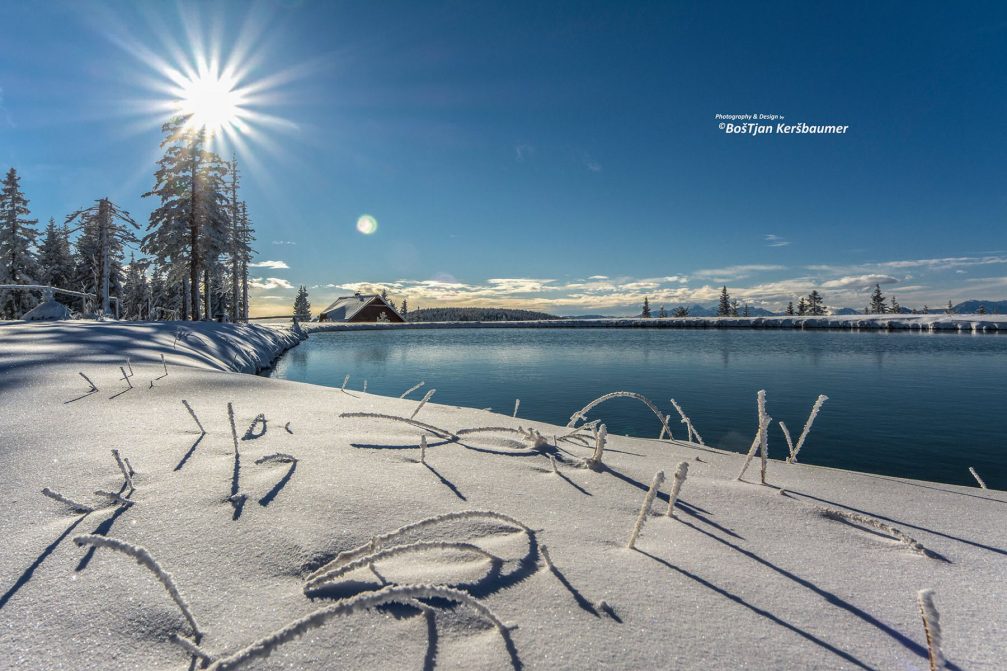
point(950, 310)
point(802, 307)
point(404, 311)
point(302, 308)
point(877, 305)
point(790, 308)
point(646, 308)
point(55, 260)
point(735, 304)
point(17, 240)
point(680, 311)
point(981, 310)
point(724, 308)
point(895, 308)
point(105, 229)
point(662, 313)
point(746, 313)
point(815, 306)
point(135, 291)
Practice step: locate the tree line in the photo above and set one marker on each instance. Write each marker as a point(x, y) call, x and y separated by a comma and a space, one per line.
point(194, 250)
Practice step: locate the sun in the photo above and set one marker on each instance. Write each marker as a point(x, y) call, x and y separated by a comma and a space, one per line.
point(211, 102)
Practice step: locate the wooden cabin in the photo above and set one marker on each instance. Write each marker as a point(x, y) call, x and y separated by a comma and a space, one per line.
point(360, 308)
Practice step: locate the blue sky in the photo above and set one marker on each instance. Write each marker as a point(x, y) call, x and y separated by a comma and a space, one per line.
point(562, 156)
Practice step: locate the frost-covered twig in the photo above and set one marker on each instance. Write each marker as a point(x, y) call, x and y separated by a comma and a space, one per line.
point(88, 380)
point(130, 366)
point(426, 397)
point(932, 627)
point(378, 541)
point(601, 437)
point(807, 425)
point(194, 418)
point(844, 515)
point(517, 404)
point(191, 648)
point(679, 478)
point(422, 546)
point(423, 448)
point(489, 429)
point(117, 498)
point(129, 466)
point(165, 366)
point(764, 421)
point(442, 433)
point(234, 430)
point(393, 594)
point(346, 380)
point(582, 413)
point(286, 427)
point(278, 457)
point(412, 389)
point(78, 507)
point(122, 467)
point(648, 501)
point(552, 460)
point(790, 443)
point(975, 475)
point(144, 558)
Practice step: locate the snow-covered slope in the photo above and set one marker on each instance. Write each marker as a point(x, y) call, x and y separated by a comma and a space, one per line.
point(743, 576)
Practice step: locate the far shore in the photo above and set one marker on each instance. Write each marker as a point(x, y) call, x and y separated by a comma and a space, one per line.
point(944, 323)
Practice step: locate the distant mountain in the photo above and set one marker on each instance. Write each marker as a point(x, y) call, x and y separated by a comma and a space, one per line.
point(476, 315)
point(839, 312)
point(970, 307)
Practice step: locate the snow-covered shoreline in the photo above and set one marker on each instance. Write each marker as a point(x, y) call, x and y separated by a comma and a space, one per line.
point(786, 575)
point(943, 323)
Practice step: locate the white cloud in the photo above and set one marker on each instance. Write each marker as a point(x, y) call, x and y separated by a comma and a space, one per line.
point(598, 277)
point(775, 241)
point(272, 265)
point(284, 242)
point(735, 272)
point(269, 283)
point(593, 166)
point(522, 152)
point(858, 281)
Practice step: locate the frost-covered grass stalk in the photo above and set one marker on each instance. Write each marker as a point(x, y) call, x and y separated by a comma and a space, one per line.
point(807, 425)
point(552, 460)
point(164, 365)
point(423, 448)
point(286, 427)
point(441, 433)
point(755, 445)
point(911, 543)
point(191, 648)
point(601, 437)
point(932, 627)
point(122, 467)
point(144, 558)
point(376, 542)
point(234, 430)
point(648, 501)
point(278, 457)
point(129, 466)
point(88, 380)
point(78, 507)
point(130, 366)
point(582, 413)
point(250, 432)
point(688, 424)
point(976, 476)
point(393, 594)
point(517, 404)
point(125, 377)
point(790, 443)
point(346, 381)
point(679, 478)
point(764, 421)
point(194, 418)
point(421, 546)
point(412, 389)
point(426, 397)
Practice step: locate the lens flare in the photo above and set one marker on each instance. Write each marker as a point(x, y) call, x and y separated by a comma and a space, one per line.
point(210, 102)
point(367, 224)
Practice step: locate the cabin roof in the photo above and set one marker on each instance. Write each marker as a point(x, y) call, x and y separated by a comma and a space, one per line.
point(345, 307)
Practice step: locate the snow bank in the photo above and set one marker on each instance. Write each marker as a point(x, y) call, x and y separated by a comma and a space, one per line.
point(743, 575)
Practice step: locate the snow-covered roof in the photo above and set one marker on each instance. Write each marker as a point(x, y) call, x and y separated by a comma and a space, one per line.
point(345, 307)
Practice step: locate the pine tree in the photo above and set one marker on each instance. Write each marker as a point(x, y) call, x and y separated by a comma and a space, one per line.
point(815, 306)
point(646, 308)
point(302, 308)
point(724, 308)
point(877, 305)
point(236, 247)
point(135, 291)
point(802, 307)
point(17, 238)
point(404, 311)
point(895, 308)
point(790, 308)
point(246, 252)
point(981, 310)
point(55, 260)
point(951, 309)
point(735, 304)
point(105, 229)
point(926, 309)
point(680, 311)
point(746, 313)
point(662, 313)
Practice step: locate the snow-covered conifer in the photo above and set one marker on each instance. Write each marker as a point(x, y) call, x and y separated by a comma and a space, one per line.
point(55, 259)
point(18, 263)
point(302, 307)
point(105, 229)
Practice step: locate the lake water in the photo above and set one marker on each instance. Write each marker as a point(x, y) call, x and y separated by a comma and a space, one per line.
point(915, 405)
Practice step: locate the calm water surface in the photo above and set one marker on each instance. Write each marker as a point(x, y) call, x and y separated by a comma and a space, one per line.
point(916, 405)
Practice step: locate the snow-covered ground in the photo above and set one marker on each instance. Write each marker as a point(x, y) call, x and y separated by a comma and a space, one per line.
point(743, 576)
point(989, 324)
